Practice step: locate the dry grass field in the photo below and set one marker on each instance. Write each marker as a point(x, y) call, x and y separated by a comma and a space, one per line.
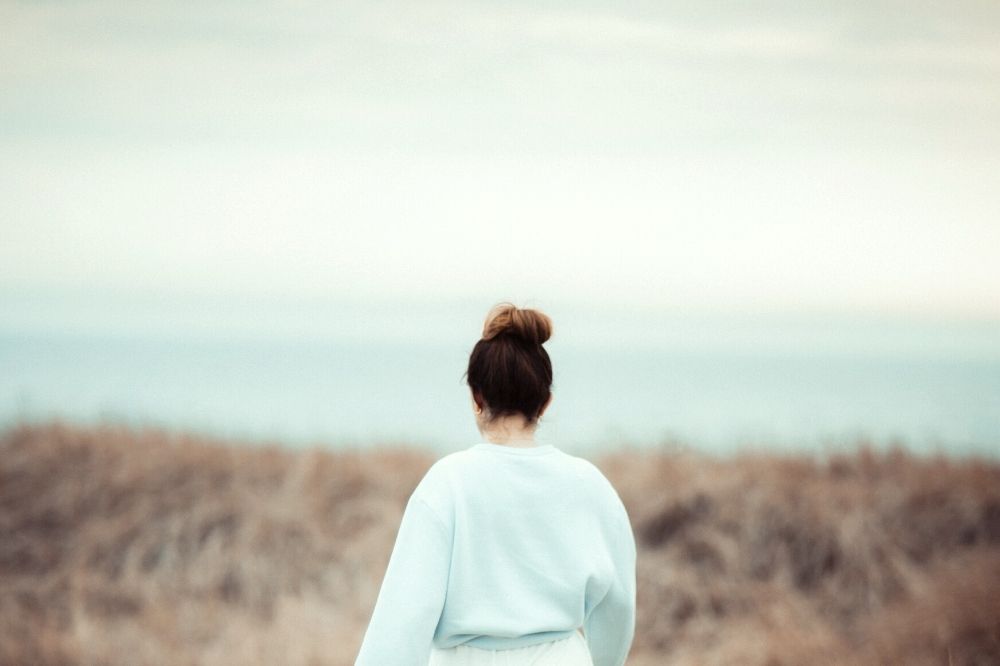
point(123, 546)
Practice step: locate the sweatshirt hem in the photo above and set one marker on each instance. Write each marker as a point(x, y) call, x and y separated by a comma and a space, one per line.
point(496, 643)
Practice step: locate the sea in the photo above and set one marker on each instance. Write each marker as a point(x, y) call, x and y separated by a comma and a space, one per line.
point(710, 384)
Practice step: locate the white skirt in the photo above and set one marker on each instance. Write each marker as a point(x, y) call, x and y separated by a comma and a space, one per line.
point(571, 651)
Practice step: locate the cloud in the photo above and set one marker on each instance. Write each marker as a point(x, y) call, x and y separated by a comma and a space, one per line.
point(793, 154)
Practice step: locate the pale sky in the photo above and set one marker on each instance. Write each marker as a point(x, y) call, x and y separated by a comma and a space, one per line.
point(778, 156)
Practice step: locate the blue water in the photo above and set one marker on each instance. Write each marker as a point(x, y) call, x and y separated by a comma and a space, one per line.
point(356, 393)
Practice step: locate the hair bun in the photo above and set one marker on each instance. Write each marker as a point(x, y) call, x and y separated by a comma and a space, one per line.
point(529, 325)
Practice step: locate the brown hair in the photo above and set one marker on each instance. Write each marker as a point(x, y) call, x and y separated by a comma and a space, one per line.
point(509, 370)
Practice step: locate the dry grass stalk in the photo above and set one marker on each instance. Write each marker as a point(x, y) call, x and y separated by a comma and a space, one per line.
point(125, 546)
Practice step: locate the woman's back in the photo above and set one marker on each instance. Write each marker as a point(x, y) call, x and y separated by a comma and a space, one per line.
point(527, 544)
point(540, 534)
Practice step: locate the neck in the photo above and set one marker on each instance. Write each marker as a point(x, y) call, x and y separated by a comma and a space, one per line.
point(510, 431)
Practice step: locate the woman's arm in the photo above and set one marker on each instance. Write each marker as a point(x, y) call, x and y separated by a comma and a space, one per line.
point(610, 626)
point(413, 591)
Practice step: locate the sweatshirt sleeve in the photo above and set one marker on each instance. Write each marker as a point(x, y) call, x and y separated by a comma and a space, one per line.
point(412, 594)
point(610, 626)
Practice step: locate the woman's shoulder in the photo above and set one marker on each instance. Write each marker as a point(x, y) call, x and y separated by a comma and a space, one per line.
point(588, 470)
point(448, 465)
point(608, 504)
point(437, 485)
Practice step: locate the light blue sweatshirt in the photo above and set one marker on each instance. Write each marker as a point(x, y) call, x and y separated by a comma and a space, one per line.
point(503, 547)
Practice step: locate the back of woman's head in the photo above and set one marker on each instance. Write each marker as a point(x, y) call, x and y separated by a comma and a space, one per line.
point(509, 370)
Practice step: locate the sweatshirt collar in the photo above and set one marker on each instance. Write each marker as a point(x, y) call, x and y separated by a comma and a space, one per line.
point(536, 450)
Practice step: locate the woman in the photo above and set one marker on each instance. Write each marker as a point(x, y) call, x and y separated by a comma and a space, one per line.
point(509, 548)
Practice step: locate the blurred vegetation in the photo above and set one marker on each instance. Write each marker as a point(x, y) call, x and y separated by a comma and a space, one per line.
point(122, 546)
